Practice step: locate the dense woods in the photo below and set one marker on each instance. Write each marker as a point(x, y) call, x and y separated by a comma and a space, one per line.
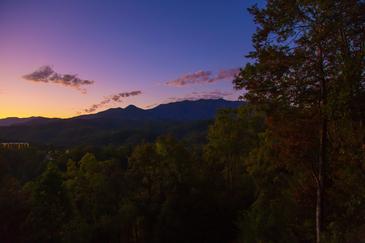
point(247, 183)
point(287, 166)
point(164, 191)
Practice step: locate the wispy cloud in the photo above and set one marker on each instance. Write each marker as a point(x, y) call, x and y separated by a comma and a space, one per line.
point(215, 94)
point(193, 78)
point(116, 98)
point(46, 74)
point(152, 105)
point(203, 77)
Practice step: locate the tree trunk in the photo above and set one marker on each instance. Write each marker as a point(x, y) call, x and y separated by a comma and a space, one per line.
point(322, 160)
point(321, 179)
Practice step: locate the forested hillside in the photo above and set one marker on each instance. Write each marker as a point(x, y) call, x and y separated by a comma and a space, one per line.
point(187, 120)
point(164, 191)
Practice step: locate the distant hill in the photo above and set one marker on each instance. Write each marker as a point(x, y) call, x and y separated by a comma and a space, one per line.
point(117, 125)
point(187, 110)
point(21, 121)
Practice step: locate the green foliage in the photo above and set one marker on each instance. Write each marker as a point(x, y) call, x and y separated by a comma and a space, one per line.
point(13, 210)
point(244, 185)
point(271, 217)
point(230, 139)
point(50, 206)
point(307, 72)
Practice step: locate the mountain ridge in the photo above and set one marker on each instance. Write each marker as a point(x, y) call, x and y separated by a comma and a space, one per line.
point(181, 110)
point(131, 125)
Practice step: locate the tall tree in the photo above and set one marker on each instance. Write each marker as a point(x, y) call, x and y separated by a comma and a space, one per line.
point(50, 206)
point(309, 60)
point(231, 137)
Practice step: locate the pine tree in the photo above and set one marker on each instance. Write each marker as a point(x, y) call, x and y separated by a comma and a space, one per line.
point(309, 61)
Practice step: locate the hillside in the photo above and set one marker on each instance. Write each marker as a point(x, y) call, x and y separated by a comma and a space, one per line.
point(117, 126)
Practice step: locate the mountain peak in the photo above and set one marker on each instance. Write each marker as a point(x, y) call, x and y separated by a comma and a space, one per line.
point(132, 107)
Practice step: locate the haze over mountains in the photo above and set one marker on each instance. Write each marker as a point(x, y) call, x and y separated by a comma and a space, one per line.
point(117, 125)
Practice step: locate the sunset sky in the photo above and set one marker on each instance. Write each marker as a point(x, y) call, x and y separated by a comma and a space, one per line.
point(124, 52)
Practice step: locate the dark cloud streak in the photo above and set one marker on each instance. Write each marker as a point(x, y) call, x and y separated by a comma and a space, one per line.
point(117, 98)
point(203, 77)
point(215, 94)
point(46, 74)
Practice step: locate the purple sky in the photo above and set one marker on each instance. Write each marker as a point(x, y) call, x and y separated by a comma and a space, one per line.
point(154, 51)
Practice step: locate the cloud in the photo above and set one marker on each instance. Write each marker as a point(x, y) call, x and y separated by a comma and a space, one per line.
point(116, 98)
point(226, 74)
point(197, 77)
point(152, 105)
point(215, 94)
point(203, 77)
point(46, 74)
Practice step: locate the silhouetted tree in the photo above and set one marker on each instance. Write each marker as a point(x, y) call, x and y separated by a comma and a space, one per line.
point(309, 62)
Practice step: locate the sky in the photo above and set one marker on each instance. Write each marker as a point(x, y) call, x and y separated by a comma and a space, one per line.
point(69, 57)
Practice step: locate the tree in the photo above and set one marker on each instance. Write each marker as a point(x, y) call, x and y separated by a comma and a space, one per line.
point(95, 188)
point(272, 216)
point(50, 206)
point(13, 210)
point(158, 176)
point(309, 64)
point(230, 139)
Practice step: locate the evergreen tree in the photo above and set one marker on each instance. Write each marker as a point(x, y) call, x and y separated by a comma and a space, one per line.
point(309, 65)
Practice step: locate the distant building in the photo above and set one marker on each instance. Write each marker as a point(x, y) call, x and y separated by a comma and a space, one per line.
point(14, 145)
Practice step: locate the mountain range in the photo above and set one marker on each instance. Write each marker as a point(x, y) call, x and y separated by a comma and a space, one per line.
point(116, 125)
